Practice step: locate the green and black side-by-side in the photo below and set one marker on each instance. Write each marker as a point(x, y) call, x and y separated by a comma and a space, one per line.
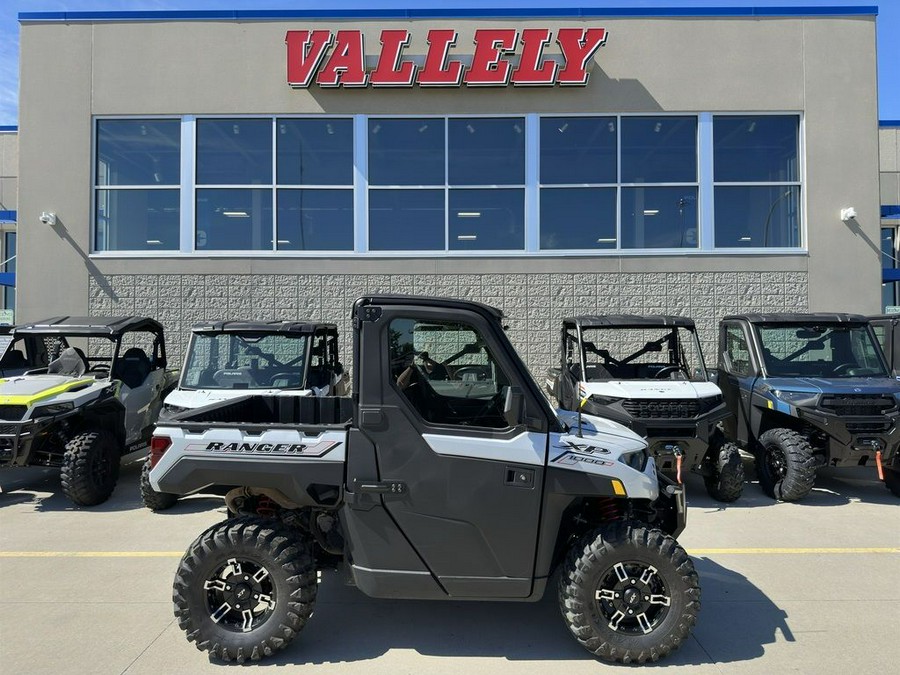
point(447, 475)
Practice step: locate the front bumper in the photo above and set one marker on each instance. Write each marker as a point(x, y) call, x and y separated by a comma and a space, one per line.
point(672, 506)
point(853, 441)
point(16, 443)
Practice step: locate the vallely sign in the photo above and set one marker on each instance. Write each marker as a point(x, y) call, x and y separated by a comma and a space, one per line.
point(501, 56)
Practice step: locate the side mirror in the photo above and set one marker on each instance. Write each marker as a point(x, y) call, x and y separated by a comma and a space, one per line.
point(713, 375)
point(514, 407)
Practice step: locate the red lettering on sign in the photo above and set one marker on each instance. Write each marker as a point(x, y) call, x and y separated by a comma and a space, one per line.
point(347, 64)
point(488, 67)
point(438, 71)
point(578, 46)
point(390, 72)
point(531, 71)
point(305, 50)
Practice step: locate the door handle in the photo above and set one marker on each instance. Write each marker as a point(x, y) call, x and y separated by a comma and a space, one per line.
point(523, 478)
point(396, 487)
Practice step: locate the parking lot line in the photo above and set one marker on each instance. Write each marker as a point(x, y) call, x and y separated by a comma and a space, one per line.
point(693, 552)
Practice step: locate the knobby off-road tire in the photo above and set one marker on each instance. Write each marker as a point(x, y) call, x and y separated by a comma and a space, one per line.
point(90, 468)
point(153, 500)
point(629, 593)
point(245, 588)
point(725, 480)
point(785, 464)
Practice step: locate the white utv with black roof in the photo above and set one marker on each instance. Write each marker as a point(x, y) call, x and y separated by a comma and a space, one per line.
point(648, 373)
point(226, 360)
point(81, 413)
point(450, 482)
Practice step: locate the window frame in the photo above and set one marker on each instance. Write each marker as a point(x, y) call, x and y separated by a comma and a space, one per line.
point(532, 189)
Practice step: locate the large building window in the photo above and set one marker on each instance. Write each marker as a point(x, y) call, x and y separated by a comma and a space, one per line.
point(454, 185)
point(137, 176)
point(756, 167)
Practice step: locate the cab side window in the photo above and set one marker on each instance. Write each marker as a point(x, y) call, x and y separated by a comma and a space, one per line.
point(447, 373)
point(737, 351)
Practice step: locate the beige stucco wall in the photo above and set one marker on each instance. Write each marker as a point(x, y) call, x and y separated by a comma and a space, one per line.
point(73, 72)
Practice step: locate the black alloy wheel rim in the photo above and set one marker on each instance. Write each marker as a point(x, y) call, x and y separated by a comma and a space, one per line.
point(633, 598)
point(776, 463)
point(240, 595)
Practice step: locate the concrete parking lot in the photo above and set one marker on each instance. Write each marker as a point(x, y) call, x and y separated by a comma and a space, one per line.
point(806, 587)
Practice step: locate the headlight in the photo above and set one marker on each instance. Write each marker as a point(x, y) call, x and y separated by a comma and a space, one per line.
point(53, 409)
point(801, 398)
point(170, 409)
point(604, 400)
point(636, 459)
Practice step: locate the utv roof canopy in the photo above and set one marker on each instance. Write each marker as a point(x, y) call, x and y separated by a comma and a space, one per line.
point(628, 321)
point(814, 318)
point(90, 326)
point(263, 327)
point(448, 303)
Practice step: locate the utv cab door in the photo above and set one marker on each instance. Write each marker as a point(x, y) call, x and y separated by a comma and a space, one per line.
point(737, 372)
point(460, 474)
point(142, 375)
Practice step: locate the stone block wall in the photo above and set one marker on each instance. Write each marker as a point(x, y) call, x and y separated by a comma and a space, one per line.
point(534, 303)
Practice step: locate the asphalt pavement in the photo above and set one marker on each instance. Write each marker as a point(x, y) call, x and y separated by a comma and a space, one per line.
point(809, 587)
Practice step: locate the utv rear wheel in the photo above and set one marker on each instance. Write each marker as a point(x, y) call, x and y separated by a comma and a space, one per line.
point(90, 468)
point(629, 594)
point(725, 477)
point(245, 588)
point(785, 464)
point(153, 500)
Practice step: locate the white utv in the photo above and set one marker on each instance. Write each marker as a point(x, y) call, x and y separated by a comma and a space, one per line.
point(226, 360)
point(81, 412)
point(447, 476)
point(647, 372)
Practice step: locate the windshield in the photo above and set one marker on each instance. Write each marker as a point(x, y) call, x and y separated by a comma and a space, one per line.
point(836, 350)
point(245, 361)
point(635, 354)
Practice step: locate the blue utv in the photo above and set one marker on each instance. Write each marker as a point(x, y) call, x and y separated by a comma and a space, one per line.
point(808, 390)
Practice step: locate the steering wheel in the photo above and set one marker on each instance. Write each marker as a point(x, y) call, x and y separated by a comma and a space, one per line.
point(477, 371)
point(844, 368)
point(663, 373)
point(286, 376)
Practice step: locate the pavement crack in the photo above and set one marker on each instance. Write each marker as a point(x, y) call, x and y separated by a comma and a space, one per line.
point(152, 642)
point(708, 655)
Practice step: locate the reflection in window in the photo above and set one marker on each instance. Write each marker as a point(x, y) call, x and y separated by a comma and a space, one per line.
point(757, 216)
point(761, 148)
point(137, 220)
point(234, 220)
point(659, 217)
point(487, 219)
point(486, 151)
point(578, 150)
point(138, 152)
point(578, 218)
point(447, 373)
point(314, 151)
point(234, 151)
point(406, 220)
point(406, 151)
point(659, 149)
point(315, 220)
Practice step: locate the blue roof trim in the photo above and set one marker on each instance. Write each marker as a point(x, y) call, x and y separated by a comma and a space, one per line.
point(438, 10)
point(8, 279)
point(890, 211)
point(889, 274)
point(8, 127)
point(8, 217)
point(889, 123)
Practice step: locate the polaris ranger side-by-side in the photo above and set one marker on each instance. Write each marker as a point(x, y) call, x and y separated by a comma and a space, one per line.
point(808, 390)
point(647, 372)
point(227, 359)
point(82, 413)
point(446, 476)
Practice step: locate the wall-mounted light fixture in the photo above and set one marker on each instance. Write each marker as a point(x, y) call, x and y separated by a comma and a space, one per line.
point(848, 214)
point(48, 218)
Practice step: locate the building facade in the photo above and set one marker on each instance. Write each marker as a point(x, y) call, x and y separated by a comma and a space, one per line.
point(549, 162)
point(889, 158)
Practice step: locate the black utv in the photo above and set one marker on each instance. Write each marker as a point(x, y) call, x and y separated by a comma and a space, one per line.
point(808, 390)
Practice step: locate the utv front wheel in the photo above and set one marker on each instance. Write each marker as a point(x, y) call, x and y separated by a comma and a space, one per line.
point(153, 500)
point(785, 464)
point(90, 468)
point(725, 477)
point(245, 588)
point(629, 594)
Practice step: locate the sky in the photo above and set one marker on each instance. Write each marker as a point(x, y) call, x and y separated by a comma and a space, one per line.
point(888, 29)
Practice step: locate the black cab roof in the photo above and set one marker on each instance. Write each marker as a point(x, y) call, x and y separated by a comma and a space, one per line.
point(628, 321)
point(815, 317)
point(90, 326)
point(450, 303)
point(263, 327)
